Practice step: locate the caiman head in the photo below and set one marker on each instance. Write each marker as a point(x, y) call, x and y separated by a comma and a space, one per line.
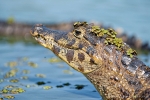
point(108, 62)
point(79, 48)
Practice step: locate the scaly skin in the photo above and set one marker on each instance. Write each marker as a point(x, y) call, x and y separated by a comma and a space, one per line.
point(111, 66)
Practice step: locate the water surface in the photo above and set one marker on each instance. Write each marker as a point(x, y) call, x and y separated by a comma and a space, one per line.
point(42, 68)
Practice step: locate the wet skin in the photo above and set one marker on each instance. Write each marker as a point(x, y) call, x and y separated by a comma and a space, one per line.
point(105, 60)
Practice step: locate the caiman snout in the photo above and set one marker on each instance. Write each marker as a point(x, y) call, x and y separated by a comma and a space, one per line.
point(36, 30)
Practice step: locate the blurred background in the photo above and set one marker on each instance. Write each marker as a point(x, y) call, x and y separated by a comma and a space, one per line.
point(20, 54)
point(132, 16)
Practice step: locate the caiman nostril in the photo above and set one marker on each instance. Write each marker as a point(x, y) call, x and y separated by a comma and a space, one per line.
point(33, 32)
point(35, 29)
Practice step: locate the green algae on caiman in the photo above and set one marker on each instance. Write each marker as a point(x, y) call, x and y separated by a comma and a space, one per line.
point(109, 63)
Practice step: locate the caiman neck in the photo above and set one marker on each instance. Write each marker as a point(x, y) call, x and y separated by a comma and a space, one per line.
point(107, 84)
point(119, 77)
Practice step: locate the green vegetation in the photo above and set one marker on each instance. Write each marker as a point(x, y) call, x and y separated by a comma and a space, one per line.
point(11, 73)
point(79, 86)
point(4, 91)
point(47, 87)
point(17, 90)
point(9, 97)
point(11, 90)
point(111, 39)
point(32, 64)
point(130, 52)
point(10, 20)
point(40, 83)
point(14, 80)
point(109, 35)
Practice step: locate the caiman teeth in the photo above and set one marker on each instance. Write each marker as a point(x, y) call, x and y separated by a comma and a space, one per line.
point(40, 36)
point(40, 39)
point(35, 38)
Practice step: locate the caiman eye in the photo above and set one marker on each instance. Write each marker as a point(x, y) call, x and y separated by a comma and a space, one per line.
point(78, 33)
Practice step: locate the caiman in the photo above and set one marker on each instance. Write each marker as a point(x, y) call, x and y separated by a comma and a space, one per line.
point(105, 60)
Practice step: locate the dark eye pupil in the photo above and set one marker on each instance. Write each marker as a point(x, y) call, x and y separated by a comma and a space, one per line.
point(77, 32)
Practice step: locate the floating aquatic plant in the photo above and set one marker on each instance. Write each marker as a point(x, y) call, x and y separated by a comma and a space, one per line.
point(47, 87)
point(5, 91)
point(12, 64)
point(109, 35)
point(14, 80)
point(130, 52)
point(9, 97)
point(11, 73)
point(32, 64)
point(66, 84)
point(17, 91)
point(40, 75)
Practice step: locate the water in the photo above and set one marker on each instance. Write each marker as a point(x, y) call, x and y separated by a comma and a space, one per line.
point(39, 64)
point(132, 16)
point(36, 60)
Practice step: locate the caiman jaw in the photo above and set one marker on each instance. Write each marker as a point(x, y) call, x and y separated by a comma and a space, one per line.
point(35, 32)
point(109, 63)
point(61, 46)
